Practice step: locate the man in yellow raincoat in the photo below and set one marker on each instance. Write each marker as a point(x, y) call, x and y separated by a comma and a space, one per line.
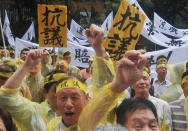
point(165, 121)
point(7, 67)
point(29, 116)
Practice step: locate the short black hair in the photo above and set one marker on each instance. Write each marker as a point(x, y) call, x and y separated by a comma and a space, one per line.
point(131, 105)
point(67, 53)
point(161, 56)
point(24, 49)
point(49, 85)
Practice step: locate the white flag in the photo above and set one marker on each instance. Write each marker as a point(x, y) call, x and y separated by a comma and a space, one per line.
point(21, 44)
point(81, 54)
point(152, 34)
point(166, 28)
point(77, 30)
point(7, 31)
point(173, 55)
point(72, 38)
point(107, 22)
point(30, 34)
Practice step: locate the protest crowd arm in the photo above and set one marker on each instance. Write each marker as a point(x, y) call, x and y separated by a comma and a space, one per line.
point(127, 73)
point(25, 113)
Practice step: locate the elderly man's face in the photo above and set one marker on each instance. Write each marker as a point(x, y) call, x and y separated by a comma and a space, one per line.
point(70, 102)
point(141, 87)
point(141, 120)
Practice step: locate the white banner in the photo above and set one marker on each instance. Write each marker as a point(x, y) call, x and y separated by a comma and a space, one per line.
point(166, 28)
point(107, 22)
point(152, 34)
point(77, 30)
point(30, 34)
point(21, 44)
point(174, 56)
point(7, 31)
point(72, 38)
point(81, 54)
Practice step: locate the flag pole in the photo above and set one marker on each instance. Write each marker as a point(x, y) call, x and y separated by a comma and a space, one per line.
point(3, 36)
point(54, 58)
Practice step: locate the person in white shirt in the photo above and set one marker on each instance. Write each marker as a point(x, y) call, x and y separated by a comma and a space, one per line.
point(160, 83)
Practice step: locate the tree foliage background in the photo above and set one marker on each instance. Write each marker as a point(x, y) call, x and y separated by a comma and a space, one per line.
point(173, 11)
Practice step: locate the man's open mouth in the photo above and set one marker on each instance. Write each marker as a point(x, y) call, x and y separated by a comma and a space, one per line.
point(69, 113)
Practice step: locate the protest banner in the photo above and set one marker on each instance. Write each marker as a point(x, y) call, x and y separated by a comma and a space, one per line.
point(52, 29)
point(125, 30)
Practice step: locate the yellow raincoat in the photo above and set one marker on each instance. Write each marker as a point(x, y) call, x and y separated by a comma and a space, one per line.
point(175, 90)
point(104, 98)
point(97, 108)
point(92, 114)
point(35, 84)
point(29, 116)
point(103, 73)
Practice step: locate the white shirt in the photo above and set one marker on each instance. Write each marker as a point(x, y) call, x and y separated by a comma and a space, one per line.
point(160, 87)
point(163, 111)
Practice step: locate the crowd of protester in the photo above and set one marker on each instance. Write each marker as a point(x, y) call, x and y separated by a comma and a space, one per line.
point(42, 91)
